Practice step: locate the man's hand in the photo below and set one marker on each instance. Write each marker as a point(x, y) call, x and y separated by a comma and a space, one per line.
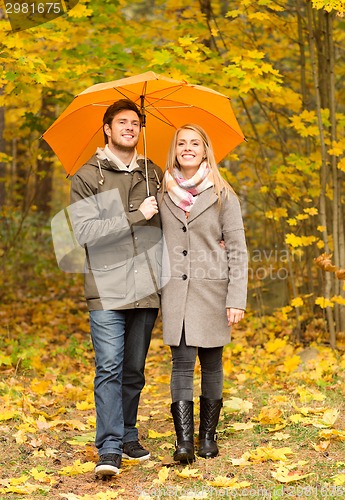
point(234, 315)
point(149, 207)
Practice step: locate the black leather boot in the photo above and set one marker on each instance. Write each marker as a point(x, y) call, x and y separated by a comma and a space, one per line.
point(209, 416)
point(182, 412)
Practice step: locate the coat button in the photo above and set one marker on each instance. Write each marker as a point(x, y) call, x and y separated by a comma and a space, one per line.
point(184, 276)
point(184, 252)
point(131, 205)
point(184, 229)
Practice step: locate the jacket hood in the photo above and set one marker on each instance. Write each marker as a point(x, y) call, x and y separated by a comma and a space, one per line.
point(100, 160)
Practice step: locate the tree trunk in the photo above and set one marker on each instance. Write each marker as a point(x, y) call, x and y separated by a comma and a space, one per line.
point(323, 173)
point(44, 177)
point(2, 150)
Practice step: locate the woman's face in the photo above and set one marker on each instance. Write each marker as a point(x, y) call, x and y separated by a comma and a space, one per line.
point(190, 152)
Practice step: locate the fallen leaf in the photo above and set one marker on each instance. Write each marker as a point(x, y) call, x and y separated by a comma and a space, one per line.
point(162, 476)
point(238, 426)
point(225, 482)
point(77, 468)
point(187, 472)
point(280, 436)
point(270, 415)
point(339, 479)
point(153, 434)
point(322, 446)
point(237, 404)
point(284, 475)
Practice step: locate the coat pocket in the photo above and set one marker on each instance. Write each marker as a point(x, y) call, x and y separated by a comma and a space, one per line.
point(109, 272)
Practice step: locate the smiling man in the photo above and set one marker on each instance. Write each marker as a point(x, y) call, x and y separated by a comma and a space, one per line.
point(117, 223)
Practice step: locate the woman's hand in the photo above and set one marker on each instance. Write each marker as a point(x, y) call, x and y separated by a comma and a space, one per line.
point(234, 315)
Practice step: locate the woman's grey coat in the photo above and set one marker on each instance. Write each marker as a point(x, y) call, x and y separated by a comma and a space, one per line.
point(205, 277)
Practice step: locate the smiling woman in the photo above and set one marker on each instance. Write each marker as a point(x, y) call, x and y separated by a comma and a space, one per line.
point(203, 297)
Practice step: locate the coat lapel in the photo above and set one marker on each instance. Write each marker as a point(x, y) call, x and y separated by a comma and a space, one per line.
point(176, 211)
point(204, 201)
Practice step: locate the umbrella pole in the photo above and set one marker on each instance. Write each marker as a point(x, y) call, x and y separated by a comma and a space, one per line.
point(143, 125)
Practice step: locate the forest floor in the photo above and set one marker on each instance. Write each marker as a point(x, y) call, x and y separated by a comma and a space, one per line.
point(281, 432)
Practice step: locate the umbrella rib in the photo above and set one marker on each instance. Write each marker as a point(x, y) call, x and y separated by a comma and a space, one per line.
point(167, 95)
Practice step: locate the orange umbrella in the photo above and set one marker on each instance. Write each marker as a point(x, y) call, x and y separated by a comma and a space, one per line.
point(167, 104)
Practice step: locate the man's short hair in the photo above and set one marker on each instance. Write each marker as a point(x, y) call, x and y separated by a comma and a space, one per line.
point(115, 109)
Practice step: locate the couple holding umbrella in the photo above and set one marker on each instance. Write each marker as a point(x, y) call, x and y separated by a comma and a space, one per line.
point(174, 241)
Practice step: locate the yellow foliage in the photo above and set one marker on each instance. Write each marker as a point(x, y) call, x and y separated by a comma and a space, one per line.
point(299, 241)
point(154, 435)
point(297, 302)
point(284, 475)
point(162, 476)
point(291, 363)
point(270, 415)
point(275, 345)
point(237, 404)
point(238, 426)
point(225, 482)
point(332, 433)
point(341, 165)
point(266, 453)
point(323, 302)
point(339, 479)
point(77, 468)
point(187, 473)
point(322, 446)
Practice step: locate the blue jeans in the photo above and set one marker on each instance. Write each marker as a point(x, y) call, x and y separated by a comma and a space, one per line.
point(121, 340)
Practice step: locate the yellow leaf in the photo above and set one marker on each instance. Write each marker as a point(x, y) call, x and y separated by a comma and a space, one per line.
point(237, 404)
point(280, 436)
point(85, 405)
point(284, 475)
point(269, 415)
point(292, 363)
point(341, 165)
point(330, 417)
point(187, 472)
point(225, 482)
point(330, 433)
point(297, 302)
point(278, 427)
point(339, 479)
point(153, 434)
point(40, 386)
point(322, 446)
point(14, 481)
point(77, 468)
point(238, 426)
point(323, 302)
point(307, 395)
point(8, 415)
point(240, 461)
point(26, 489)
point(162, 476)
point(275, 345)
point(265, 453)
point(311, 211)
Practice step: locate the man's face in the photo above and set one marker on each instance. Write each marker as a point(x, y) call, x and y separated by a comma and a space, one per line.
point(123, 134)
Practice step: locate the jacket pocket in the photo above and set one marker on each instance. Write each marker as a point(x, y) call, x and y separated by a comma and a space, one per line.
point(110, 273)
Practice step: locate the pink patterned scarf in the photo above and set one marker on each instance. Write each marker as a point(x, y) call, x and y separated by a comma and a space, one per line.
point(183, 192)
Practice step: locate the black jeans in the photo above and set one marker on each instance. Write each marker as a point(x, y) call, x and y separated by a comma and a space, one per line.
point(182, 376)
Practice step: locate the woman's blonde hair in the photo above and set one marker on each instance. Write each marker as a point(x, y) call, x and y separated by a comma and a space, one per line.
point(220, 184)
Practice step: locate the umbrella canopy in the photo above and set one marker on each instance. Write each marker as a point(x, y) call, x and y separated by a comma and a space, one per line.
point(167, 105)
